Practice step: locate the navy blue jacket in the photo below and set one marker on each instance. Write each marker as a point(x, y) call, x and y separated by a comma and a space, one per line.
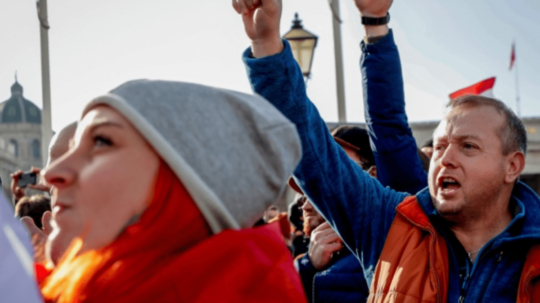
point(360, 209)
point(398, 166)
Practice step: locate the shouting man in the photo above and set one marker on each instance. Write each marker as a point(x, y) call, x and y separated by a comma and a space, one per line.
point(473, 235)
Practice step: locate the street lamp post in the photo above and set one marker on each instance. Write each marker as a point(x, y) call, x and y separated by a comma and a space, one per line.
point(46, 123)
point(338, 56)
point(302, 44)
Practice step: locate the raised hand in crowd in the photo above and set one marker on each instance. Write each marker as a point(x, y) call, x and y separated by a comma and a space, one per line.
point(19, 192)
point(16, 191)
point(261, 21)
point(324, 242)
point(374, 9)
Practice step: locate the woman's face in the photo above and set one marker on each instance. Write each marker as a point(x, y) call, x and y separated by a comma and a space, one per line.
point(102, 182)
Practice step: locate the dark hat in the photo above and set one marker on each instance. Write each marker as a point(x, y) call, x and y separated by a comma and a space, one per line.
point(356, 138)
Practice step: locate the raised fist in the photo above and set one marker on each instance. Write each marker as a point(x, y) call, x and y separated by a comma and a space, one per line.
point(373, 8)
point(261, 21)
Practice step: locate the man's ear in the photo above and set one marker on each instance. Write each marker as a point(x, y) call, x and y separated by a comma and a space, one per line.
point(515, 165)
point(372, 171)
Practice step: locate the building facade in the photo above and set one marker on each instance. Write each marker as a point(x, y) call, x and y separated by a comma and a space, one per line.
point(20, 135)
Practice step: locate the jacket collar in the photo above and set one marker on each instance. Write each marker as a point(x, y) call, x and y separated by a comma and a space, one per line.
point(526, 199)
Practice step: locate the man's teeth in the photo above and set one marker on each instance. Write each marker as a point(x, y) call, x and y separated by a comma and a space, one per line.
point(449, 180)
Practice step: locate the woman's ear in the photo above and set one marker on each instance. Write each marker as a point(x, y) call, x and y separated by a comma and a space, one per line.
point(515, 166)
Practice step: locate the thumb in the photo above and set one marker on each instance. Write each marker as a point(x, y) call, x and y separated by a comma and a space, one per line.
point(30, 225)
point(46, 222)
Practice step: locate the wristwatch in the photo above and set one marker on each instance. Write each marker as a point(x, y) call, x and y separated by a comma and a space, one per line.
point(376, 21)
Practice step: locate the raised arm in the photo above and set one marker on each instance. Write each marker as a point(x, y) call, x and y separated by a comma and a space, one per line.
point(394, 147)
point(357, 206)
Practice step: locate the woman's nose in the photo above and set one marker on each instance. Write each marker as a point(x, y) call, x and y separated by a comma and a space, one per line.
point(60, 173)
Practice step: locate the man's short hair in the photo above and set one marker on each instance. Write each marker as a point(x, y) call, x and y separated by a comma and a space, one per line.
point(33, 207)
point(514, 135)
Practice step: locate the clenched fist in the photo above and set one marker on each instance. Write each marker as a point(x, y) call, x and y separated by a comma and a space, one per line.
point(373, 8)
point(261, 21)
point(324, 242)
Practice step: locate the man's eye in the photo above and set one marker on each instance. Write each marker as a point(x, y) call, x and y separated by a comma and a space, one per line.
point(468, 146)
point(100, 141)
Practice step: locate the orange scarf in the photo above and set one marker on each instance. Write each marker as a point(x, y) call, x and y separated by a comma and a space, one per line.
point(171, 224)
point(164, 257)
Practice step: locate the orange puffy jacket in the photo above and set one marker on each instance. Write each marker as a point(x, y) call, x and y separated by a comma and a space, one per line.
point(413, 267)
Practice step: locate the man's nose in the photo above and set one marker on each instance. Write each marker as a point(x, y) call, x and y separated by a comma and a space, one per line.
point(448, 157)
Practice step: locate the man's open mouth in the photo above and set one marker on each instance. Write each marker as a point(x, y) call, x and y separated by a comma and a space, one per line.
point(449, 183)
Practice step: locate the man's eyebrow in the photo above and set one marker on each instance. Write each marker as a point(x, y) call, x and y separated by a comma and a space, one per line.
point(466, 136)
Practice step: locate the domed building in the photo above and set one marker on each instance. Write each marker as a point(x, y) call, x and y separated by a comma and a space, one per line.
point(20, 135)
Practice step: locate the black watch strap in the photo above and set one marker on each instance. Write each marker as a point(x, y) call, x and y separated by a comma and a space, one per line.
point(376, 21)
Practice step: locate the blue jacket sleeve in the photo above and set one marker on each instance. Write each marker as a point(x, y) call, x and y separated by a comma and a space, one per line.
point(357, 206)
point(394, 147)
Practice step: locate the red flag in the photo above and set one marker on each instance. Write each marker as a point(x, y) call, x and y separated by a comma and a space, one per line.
point(513, 55)
point(483, 88)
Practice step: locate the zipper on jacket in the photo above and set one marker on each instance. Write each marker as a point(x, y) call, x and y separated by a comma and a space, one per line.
point(500, 256)
point(484, 287)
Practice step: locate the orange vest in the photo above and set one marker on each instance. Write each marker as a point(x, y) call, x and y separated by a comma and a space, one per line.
point(413, 266)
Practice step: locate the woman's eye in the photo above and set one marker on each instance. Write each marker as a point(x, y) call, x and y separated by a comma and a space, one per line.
point(100, 141)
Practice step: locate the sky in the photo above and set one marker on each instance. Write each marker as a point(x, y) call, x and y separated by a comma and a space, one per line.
point(97, 45)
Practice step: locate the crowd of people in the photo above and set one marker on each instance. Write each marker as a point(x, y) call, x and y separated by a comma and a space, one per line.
point(167, 192)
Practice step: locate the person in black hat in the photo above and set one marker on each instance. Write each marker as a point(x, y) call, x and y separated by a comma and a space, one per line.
point(355, 142)
point(325, 262)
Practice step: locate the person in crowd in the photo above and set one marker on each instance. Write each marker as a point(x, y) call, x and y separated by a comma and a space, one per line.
point(60, 142)
point(427, 148)
point(34, 207)
point(35, 214)
point(453, 241)
point(123, 216)
point(299, 242)
point(270, 213)
point(329, 272)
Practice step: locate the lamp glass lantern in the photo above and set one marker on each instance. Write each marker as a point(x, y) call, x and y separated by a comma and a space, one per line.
point(302, 44)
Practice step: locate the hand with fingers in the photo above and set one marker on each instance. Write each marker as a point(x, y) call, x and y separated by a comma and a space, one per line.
point(41, 185)
point(17, 192)
point(38, 235)
point(324, 242)
point(261, 21)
